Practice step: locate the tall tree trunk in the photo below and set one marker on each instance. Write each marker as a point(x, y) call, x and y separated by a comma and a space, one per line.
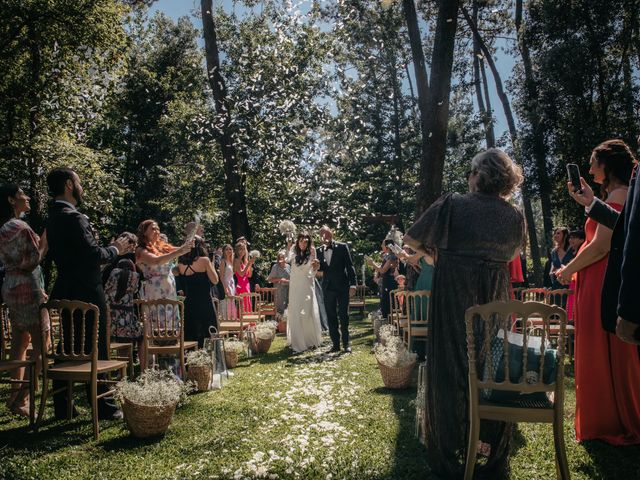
point(485, 114)
point(422, 82)
point(506, 106)
point(437, 115)
point(537, 128)
point(234, 186)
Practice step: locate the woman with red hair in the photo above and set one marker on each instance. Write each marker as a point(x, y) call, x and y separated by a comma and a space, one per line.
point(154, 257)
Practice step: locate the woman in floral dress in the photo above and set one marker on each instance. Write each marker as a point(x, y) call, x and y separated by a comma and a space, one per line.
point(120, 290)
point(227, 307)
point(154, 259)
point(22, 291)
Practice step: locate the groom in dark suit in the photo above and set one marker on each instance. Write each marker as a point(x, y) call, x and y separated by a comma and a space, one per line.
point(77, 256)
point(338, 285)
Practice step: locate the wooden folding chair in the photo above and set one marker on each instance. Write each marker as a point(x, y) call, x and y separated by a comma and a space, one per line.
point(533, 295)
point(7, 365)
point(528, 397)
point(417, 316)
point(230, 316)
point(357, 302)
point(252, 314)
point(74, 351)
point(398, 313)
point(267, 303)
point(163, 329)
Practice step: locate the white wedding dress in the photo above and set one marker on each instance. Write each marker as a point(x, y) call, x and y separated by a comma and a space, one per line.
point(303, 315)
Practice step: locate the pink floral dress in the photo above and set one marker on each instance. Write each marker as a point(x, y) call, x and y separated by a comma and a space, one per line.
point(22, 290)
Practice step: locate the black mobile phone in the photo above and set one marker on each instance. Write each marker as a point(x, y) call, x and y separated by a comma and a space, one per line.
point(574, 176)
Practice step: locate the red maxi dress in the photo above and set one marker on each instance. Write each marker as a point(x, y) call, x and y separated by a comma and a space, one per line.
point(607, 370)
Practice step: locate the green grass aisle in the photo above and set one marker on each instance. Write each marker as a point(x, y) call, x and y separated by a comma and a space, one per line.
point(307, 416)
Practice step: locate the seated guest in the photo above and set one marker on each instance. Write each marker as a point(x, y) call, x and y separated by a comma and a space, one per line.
point(198, 276)
point(279, 276)
point(120, 290)
point(22, 289)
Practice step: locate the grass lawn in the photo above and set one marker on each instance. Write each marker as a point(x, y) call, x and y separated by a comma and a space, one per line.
point(308, 416)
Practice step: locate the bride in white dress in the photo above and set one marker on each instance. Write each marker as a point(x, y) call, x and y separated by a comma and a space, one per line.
point(303, 315)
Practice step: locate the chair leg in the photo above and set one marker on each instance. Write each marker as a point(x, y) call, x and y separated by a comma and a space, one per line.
point(562, 465)
point(33, 380)
point(69, 400)
point(94, 407)
point(131, 360)
point(43, 400)
point(472, 448)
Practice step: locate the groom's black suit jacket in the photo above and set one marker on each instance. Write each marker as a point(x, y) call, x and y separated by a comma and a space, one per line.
point(622, 278)
point(339, 275)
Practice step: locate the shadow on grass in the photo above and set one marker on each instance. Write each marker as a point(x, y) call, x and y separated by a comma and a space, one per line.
point(610, 462)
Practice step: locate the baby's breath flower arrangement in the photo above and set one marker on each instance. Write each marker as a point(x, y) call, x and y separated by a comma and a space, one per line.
point(385, 332)
point(234, 345)
point(199, 358)
point(154, 388)
point(266, 330)
point(394, 354)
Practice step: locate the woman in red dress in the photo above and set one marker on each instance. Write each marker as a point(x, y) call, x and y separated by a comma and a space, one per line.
point(607, 370)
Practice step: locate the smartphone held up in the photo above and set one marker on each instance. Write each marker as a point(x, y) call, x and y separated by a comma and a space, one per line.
point(574, 177)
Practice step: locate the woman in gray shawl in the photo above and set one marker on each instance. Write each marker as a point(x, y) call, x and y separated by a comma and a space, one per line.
point(475, 235)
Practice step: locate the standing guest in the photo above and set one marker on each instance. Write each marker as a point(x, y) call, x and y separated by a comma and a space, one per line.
point(386, 271)
point(154, 257)
point(216, 258)
point(120, 289)
point(576, 239)
point(560, 255)
point(243, 269)
point(198, 276)
point(475, 236)
point(606, 368)
point(21, 251)
point(279, 276)
point(77, 257)
point(227, 307)
point(338, 285)
point(620, 307)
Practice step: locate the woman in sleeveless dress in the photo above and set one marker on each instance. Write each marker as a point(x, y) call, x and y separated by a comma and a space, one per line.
point(243, 269)
point(304, 330)
point(154, 259)
point(606, 368)
point(198, 276)
point(227, 307)
point(475, 236)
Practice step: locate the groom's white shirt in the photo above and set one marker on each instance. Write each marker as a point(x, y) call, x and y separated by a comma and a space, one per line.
point(328, 252)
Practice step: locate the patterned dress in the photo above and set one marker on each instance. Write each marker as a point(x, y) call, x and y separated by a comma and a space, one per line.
point(124, 321)
point(159, 283)
point(22, 289)
point(227, 307)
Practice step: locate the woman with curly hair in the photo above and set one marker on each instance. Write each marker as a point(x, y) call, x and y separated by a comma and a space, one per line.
point(474, 236)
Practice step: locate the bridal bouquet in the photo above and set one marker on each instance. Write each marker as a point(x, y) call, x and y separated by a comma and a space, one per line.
point(255, 254)
point(288, 229)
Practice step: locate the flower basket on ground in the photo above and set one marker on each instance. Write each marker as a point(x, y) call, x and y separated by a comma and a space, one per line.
point(385, 332)
point(395, 362)
point(282, 323)
point(148, 403)
point(261, 336)
point(232, 350)
point(199, 369)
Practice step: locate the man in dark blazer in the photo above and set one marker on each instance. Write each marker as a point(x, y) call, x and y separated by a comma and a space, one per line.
point(621, 288)
point(338, 285)
point(75, 251)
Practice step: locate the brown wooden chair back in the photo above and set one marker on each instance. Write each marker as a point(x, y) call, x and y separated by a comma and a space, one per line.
point(162, 319)
point(418, 320)
point(267, 303)
point(533, 295)
point(76, 339)
point(483, 325)
point(398, 313)
point(558, 297)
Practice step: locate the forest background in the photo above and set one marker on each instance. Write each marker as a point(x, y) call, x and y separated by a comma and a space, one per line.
point(352, 113)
